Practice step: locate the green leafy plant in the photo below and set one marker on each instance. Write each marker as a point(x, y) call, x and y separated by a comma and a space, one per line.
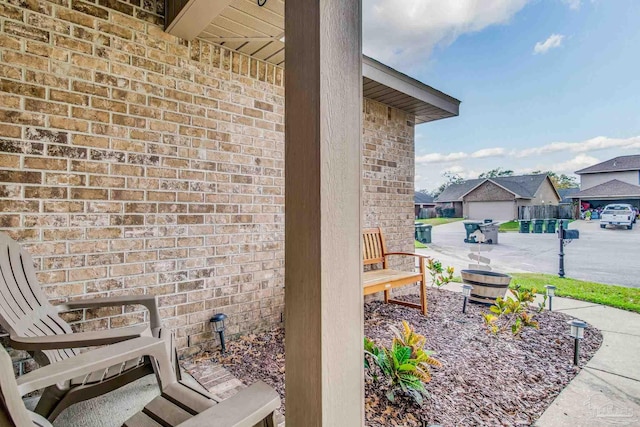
point(512, 313)
point(405, 366)
point(440, 276)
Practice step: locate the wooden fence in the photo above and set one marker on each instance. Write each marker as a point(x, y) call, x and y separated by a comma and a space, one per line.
point(562, 211)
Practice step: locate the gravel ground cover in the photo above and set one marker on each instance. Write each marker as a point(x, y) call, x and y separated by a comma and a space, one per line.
point(485, 380)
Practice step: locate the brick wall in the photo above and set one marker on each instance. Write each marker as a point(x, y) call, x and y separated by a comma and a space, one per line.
point(133, 162)
point(388, 176)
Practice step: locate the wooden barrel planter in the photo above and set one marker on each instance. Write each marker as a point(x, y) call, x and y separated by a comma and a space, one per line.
point(487, 285)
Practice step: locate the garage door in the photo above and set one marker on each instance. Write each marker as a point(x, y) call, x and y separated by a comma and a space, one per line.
point(493, 210)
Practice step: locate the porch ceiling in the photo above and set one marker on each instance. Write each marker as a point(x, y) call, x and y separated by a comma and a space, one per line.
point(255, 30)
point(258, 31)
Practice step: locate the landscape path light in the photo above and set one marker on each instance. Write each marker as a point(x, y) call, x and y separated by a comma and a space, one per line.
point(577, 332)
point(551, 292)
point(218, 325)
point(466, 293)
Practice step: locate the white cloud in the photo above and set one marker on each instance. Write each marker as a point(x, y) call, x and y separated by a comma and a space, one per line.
point(580, 161)
point(573, 4)
point(454, 157)
point(593, 144)
point(439, 158)
point(488, 152)
point(554, 41)
point(404, 32)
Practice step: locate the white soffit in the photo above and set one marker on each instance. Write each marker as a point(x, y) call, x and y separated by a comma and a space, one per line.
point(391, 87)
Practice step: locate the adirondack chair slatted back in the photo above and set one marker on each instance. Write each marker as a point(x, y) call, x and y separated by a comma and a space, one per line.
point(24, 308)
point(373, 246)
point(12, 410)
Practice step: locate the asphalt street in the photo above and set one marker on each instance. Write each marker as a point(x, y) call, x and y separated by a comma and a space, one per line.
point(601, 255)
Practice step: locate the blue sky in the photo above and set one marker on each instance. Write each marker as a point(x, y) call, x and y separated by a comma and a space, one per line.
point(544, 84)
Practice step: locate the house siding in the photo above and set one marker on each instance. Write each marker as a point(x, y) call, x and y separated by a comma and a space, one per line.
point(593, 179)
point(134, 162)
point(546, 195)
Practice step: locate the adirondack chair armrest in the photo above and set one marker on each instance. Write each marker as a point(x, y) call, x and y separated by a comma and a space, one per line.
point(148, 301)
point(79, 339)
point(95, 360)
point(245, 409)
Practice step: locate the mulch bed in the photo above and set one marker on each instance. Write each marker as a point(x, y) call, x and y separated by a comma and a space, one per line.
point(485, 380)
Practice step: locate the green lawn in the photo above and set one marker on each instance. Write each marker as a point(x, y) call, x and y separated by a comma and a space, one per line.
point(420, 245)
point(509, 226)
point(438, 221)
point(613, 296)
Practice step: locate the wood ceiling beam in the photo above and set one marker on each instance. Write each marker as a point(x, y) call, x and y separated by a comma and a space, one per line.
point(188, 18)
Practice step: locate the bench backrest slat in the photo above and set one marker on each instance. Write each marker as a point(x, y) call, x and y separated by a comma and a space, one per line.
point(373, 246)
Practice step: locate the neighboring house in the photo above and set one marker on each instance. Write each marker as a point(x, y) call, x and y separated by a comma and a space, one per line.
point(422, 201)
point(623, 168)
point(498, 198)
point(613, 191)
point(614, 181)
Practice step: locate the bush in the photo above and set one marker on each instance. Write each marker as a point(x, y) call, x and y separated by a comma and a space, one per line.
point(405, 366)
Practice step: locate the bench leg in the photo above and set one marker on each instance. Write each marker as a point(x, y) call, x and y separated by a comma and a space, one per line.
point(423, 287)
point(387, 296)
point(423, 297)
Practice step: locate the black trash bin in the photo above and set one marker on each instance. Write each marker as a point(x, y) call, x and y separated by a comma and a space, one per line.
point(422, 232)
point(550, 226)
point(537, 225)
point(525, 225)
point(471, 227)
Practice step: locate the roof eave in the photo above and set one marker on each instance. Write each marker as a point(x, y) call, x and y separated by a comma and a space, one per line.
point(411, 88)
point(586, 172)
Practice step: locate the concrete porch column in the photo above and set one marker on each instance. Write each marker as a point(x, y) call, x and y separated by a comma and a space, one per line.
point(323, 292)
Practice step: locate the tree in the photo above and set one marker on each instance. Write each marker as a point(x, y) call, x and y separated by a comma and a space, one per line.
point(494, 173)
point(452, 178)
point(561, 181)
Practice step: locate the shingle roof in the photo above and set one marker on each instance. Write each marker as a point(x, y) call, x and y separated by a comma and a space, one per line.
point(420, 198)
point(566, 193)
point(622, 163)
point(454, 192)
point(609, 189)
point(522, 186)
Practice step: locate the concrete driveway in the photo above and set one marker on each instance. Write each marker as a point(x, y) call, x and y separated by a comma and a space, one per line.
point(601, 255)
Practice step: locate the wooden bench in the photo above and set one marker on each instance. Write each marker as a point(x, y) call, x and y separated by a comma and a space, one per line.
point(374, 251)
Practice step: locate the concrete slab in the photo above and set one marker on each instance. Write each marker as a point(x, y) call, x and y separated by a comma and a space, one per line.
point(611, 358)
point(595, 399)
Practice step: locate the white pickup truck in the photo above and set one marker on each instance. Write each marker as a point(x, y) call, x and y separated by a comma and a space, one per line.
point(618, 215)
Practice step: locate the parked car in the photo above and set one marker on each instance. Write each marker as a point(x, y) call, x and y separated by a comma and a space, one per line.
point(619, 214)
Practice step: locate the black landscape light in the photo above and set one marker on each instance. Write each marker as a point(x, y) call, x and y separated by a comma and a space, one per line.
point(466, 293)
point(217, 325)
point(577, 332)
point(551, 292)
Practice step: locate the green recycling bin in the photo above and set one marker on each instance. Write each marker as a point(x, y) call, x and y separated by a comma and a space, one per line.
point(471, 227)
point(422, 232)
point(537, 225)
point(565, 224)
point(525, 225)
point(550, 226)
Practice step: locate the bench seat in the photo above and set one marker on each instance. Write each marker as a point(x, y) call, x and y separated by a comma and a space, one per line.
point(383, 280)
